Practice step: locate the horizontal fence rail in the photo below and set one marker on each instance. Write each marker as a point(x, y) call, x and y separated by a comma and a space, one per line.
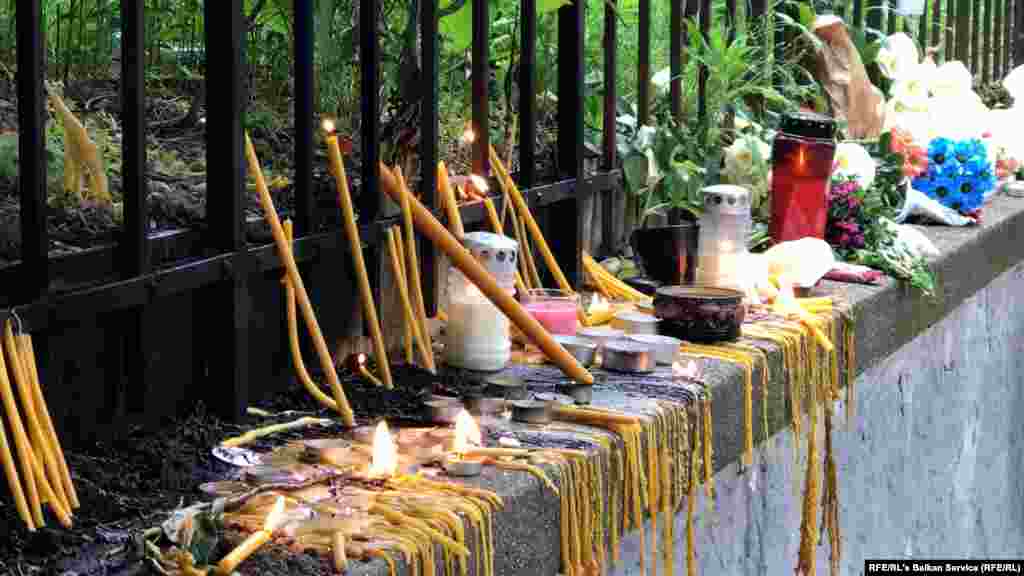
point(214, 264)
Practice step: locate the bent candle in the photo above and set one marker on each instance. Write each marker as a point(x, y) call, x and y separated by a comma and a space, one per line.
point(464, 261)
point(284, 250)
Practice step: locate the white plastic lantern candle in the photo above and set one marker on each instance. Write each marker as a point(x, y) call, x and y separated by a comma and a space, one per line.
point(478, 332)
point(722, 244)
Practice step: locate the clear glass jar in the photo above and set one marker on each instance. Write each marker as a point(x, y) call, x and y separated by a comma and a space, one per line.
point(556, 310)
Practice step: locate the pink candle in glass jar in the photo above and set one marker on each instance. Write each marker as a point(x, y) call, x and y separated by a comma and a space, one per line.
point(554, 309)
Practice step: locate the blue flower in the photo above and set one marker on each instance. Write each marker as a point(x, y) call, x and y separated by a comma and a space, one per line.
point(959, 174)
point(940, 150)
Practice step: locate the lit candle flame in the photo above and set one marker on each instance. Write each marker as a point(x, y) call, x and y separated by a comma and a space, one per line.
point(466, 433)
point(361, 358)
point(328, 126)
point(479, 183)
point(598, 304)
point(690, 371)
point(468, 135)
point(785, 302)
point(384, 460)
point(275, 517)
point(801, 159)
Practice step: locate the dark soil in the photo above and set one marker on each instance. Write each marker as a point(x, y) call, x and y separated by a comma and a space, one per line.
point(131, 483)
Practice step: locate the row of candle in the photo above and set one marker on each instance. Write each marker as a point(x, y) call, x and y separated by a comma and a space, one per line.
point(44, 477)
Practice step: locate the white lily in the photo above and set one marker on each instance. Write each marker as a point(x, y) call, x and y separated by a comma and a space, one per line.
point(739, 157)
point(853, 160)
point(950, 79)
point(1014, 83)
point(918, 124)
point(897, 56)
point(910, 91)
point(960, 116)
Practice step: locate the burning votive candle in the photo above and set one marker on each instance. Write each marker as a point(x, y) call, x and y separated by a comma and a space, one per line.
point(802, 155)
point(256, 540)
point(361, 368)
point(554, 309)
point(466, 432)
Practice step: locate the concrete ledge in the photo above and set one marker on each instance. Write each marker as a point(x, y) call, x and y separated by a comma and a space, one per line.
point(888, 317)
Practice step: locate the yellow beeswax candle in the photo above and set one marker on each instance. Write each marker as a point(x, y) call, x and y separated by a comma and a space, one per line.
point(21, 443)
point(403, 292)
point(44, 413)
point(43, 448)
point(462, 259)
point(270, 213)
point(356, 250)
point(412, 260)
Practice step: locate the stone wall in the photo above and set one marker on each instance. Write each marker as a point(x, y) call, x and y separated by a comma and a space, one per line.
point(930, 469)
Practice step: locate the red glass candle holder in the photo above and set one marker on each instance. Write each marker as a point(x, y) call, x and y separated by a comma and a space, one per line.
point(802, 156)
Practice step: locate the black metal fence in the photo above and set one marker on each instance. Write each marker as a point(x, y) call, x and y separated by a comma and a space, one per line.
point(145, 328)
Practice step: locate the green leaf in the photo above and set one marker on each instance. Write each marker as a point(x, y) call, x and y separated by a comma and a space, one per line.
point(458, 27)
point(634, 170)
point(545, 6)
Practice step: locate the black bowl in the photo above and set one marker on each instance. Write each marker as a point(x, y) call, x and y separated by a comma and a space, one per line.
point(699, 313)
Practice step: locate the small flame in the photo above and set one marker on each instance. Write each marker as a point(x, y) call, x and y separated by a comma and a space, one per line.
point(785, 302)
point(466, 432)
point(801, 159)
point(598, 304)
point(328, 126)
point(479, 183)
point(468, 135)
point(690, 371)
point(275, 517)
point(361, 359)
point(384, 461)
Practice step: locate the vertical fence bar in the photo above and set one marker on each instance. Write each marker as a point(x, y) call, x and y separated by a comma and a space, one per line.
point(975, 23)
point(304, 109)
point(702, 76)
point(615, 201)
point(611, 96)
point(730, 14)
point(950, 51)
point(997, 40)
point(428, 141)
point(225, 342)
point(986, 50)
point(963, 32)
point(481, 94)
point(858, 12)
point(527, 94)
point(890, 17)
point(566, 239)
point(643, 70)
point(134, 245)
point(676, 59)
point(1008, 43)
point(35, 241)
point(937, 23)
point(922, 27)
point(875, 14)
point(368, 202)
point(758, 23)
point(1018, 32)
